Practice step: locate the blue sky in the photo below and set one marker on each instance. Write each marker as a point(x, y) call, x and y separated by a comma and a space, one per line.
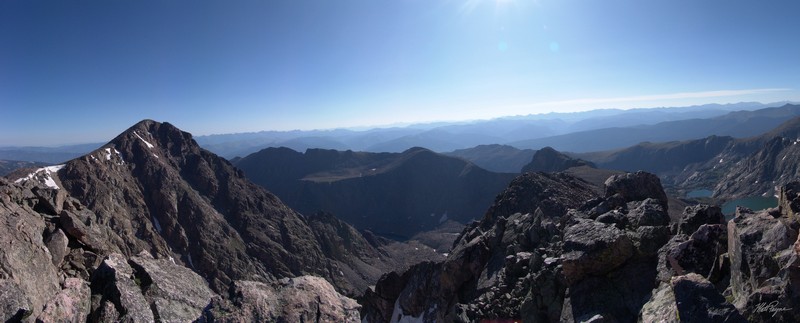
point(76, 71)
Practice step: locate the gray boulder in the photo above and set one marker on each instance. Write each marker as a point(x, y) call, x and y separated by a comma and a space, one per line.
point(698, 301)
point(765, 266)
point(71, 304)
point(174, 292)
point(117, 293)
point(647, 213)
point(299, 299)
point(697, 215)
point(701, 252)
point(593, 248)
point(28, 276)
point(636, 186)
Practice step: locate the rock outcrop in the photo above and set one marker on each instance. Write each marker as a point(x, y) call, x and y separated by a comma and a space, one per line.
point(540, 255)
point(611, 258)
point(697, 300)
point(765, 266)
point(299, 299)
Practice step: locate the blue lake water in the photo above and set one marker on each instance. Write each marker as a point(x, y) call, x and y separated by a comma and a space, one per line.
point(754, 202)
point(699, 193)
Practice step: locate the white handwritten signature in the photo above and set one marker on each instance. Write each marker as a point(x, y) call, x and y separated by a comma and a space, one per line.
point(771, 307)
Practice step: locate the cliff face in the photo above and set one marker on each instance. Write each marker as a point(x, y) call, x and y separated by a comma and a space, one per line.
point(732, 168)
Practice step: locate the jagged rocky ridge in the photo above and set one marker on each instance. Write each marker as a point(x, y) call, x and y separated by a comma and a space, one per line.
point(731, 168)
point(547, 250)
point(151, 227)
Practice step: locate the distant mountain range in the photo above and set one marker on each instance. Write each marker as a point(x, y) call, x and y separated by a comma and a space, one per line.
point(739, 124)
point(48, 155)
point(515, 131)
point(576, 132)
point(8, 166)
point(496, 158)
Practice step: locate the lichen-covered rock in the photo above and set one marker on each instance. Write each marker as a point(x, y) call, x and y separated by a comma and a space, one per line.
point(593, 248)
point(299, 299)
point(174, 292)
point(647, 213)
point(789, 197)
point(114, 286)
point(698, 301)
point(26, 265)
point(701, 252)
point(57, 245)
point(697, 215)
point(661, 306)
point(71, 304)
point(14, 304)
point(754, 241)
point(637, 186)
point(649, 239)
point(765, 266)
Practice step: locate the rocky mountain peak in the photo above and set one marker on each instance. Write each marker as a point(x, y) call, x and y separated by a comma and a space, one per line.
point(153, 189)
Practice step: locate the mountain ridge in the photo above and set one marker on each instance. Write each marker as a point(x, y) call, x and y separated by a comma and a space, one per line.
point(391, 194)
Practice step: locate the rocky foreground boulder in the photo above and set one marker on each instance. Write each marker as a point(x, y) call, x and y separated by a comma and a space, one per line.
point(549, 250)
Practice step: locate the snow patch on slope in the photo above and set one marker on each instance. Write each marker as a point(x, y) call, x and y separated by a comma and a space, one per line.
point(110, 152)
point(398, 316)
point(149, 145)
point(44, 174)
point(157, 225)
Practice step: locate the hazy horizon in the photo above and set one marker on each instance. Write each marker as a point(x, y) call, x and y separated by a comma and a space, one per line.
point(80, 72)
point(423, 124)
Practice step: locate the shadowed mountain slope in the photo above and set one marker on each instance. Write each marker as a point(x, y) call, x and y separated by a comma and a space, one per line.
point(496, 158)
point(392, 194)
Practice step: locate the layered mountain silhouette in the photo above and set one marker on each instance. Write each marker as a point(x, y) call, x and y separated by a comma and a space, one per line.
point(549, 160)
point(48, 155)
point(739, 124)
point(391, 194)
point(8, 166)
point(495, 157)
point(516, 131)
